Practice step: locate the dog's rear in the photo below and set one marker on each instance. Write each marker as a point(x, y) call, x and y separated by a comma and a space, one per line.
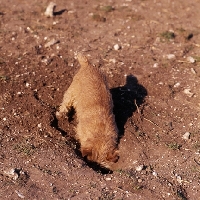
point(96, 129)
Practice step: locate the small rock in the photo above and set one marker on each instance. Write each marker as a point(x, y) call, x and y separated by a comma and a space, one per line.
point(188, 92)
point(193, 71)
point(139, 180)
point(117, 47)
point(50, 9)
point(11, 173)
point(113, 60)
point(51, 42)
point(20, 195)
point(155, 174)
point(186, 136)
point(29, 29)
point(139, 168)
point(171, 56)
point(108, 179)
point(155, 65)
point(191, 59)
point(177, 85)
point(179, 179)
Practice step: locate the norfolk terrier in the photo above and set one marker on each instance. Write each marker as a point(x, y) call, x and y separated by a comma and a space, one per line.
point(96, 130)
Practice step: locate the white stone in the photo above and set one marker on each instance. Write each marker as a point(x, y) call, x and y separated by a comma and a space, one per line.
point(113, 60)
point(188, 92)
point(20, 195)
point(117, 47)
point(193, 71)
point(155, 174)
point(155, 65)
point(191, 59)
point(50, 9)
point(186, 136)
point(51, 42)
point(177, 85)
point(171, 56)
point(179, 179)
point(11, 174)
point(139, 168)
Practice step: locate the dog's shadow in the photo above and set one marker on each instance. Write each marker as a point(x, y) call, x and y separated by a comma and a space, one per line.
point(125, 100)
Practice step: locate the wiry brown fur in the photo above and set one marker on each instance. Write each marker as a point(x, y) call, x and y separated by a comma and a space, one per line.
point(96, 130)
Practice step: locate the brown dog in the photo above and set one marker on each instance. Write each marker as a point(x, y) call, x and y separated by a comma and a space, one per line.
point(96, 130)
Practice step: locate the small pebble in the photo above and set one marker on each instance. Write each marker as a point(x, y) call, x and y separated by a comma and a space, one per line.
point(20, 195)
point(139, 168)
point(155, 65)
point(171, 56)
point(191, 59)
point(186, 136)
point(177, 85)
point(179, 179)
point(117, 47)
point(139, 180)
point(113, 60)
point(51, 42)
point(188, 93)
point(193, 71)
point(50, 9)
point(108, 179)
point(29, 29)
point(155, 174)
point(11, 173)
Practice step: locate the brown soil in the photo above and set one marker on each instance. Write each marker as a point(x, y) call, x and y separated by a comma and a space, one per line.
point(154, 78)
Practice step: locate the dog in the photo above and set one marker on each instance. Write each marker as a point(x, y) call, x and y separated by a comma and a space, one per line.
point(96, 130)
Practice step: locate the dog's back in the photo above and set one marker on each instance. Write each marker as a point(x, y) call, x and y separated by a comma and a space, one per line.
point(91, 88)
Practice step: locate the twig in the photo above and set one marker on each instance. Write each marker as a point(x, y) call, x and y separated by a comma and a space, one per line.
point(196, 162)
point(145, 117)
point(137, 106)
point(152, 122)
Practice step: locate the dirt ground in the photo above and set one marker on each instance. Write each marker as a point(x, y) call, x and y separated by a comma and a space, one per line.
point(150, 53)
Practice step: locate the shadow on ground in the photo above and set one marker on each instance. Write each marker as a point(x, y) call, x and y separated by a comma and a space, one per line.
point(126, 99)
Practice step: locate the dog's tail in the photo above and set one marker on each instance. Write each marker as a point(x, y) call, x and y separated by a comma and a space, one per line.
point(82, 59)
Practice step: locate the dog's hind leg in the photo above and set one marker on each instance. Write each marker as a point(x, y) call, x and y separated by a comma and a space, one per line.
point(66, 104)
